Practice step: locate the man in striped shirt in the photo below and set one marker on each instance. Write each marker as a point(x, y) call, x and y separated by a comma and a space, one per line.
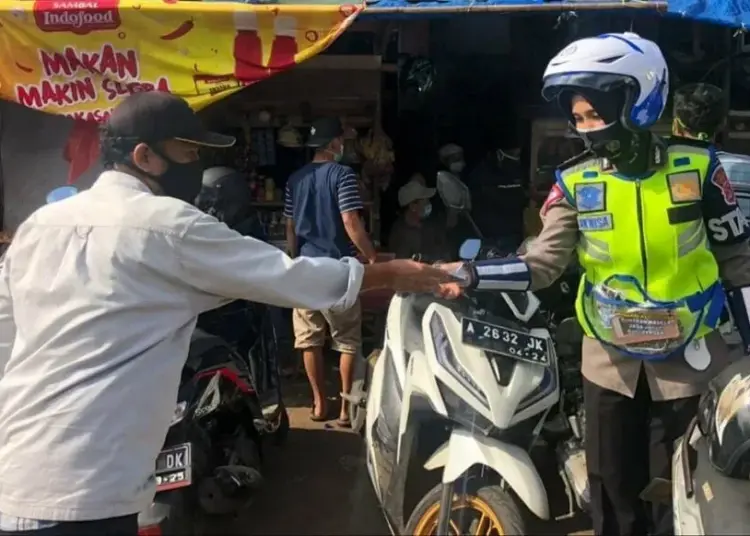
point(322, 208)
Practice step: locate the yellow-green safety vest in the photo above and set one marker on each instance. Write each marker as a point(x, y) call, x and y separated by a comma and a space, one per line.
point(645, 237)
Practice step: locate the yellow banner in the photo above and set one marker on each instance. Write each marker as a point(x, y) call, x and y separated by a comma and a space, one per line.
point(80, 57)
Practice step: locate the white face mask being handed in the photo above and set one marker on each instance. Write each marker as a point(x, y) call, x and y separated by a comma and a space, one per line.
point(426, 211)
point(457, 167)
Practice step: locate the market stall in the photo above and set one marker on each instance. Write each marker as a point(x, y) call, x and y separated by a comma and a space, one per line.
point(272, 120)
point(77, 60)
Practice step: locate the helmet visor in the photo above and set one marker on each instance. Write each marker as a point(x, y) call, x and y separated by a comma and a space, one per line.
point(555, 84)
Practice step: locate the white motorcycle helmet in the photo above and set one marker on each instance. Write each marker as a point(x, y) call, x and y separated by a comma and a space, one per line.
point(613, 62)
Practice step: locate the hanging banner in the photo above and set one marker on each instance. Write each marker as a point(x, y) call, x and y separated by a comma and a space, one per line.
point(80, 57)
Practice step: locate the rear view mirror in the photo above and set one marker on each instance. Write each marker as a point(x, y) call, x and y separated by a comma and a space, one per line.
point(453, 192)
point(470, 249)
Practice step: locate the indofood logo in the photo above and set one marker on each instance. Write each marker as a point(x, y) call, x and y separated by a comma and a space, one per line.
point(77, 17)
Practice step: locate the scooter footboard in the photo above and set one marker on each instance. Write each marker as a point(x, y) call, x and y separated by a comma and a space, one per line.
point(464, 450)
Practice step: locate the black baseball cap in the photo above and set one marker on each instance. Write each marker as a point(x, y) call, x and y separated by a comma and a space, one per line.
point(323, 131)
point(155, 116)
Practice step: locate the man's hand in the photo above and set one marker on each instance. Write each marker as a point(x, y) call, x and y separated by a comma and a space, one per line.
point(453, 289)
point(450, 291)
point(404, 275)
point(412, 276)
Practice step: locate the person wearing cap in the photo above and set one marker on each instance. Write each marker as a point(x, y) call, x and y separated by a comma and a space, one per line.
point(100, 293)
point(323, 214)
point(415, 233)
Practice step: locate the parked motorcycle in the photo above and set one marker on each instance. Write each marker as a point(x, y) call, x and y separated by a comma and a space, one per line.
point(229, 400)
point(469, 386)
point(710, 486)
point(210, 462)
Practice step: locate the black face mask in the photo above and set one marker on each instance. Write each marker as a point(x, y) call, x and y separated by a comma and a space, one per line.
point(623, 148)
point(180, 180)
point(610, 142)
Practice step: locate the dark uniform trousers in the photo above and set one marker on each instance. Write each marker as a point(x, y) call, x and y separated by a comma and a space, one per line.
point(629, 441)
point(115, 526)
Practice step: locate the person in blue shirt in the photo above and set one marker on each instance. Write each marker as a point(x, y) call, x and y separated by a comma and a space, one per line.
point(323, 219)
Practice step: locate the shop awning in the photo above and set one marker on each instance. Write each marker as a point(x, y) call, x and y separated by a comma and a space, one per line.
point(79, 58)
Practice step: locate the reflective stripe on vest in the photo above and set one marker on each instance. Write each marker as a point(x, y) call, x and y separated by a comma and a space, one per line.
point(651, 229)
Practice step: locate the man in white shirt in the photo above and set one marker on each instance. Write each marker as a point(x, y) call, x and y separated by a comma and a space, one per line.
point(102, 291)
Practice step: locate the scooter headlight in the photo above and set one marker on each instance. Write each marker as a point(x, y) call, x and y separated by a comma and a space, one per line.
point(447, 359)
point(179, 413)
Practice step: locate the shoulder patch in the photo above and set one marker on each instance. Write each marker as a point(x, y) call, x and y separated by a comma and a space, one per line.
point(555, 196)
point(721, 181)
point(685, 186)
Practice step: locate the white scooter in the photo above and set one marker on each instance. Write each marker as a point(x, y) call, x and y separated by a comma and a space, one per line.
point(462, 389)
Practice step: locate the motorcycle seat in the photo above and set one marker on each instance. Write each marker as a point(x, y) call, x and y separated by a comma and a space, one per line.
point(724, 502)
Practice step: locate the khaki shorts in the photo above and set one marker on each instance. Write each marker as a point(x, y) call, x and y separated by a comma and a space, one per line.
point(346, 329)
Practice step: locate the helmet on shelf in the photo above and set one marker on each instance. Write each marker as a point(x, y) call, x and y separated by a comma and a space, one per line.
point(225, 194)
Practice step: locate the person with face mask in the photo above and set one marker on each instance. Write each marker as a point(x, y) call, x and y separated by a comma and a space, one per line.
point(323, 219)
point(415, 232)
point(451, 157)
point(107, 285)
point(655, 227)
point(497, 187)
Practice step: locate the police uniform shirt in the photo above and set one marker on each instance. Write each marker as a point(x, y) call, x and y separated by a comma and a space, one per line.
point(727, 233)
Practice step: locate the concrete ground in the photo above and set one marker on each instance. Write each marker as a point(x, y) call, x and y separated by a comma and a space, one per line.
point(317, 484)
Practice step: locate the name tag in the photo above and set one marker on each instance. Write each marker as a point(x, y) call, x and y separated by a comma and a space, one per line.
point(600, 222)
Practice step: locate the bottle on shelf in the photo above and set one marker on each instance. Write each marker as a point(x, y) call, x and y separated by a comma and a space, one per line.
point(270, 188)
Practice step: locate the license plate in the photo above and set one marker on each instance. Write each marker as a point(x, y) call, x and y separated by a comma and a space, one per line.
point(505, 341)
point(173, 468)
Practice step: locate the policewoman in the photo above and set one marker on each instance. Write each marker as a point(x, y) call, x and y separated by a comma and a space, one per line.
point(636, 210)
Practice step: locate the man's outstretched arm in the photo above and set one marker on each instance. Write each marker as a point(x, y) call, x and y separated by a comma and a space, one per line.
point(222, 263)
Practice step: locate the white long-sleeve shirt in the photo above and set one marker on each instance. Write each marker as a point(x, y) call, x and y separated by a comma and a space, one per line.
point(101, 293)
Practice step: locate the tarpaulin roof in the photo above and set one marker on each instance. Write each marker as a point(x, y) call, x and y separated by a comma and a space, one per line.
point(735, 13)
point(378, 8)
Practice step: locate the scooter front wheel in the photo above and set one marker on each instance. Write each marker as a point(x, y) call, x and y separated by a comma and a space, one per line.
point(488, 510)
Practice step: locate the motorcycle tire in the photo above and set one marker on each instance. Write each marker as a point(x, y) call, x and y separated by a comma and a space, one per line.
point(489, 501)
point(182, 517)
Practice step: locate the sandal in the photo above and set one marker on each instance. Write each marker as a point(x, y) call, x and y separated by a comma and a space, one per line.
point(318, 418)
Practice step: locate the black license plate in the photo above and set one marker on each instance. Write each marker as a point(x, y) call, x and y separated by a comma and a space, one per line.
point(505, 341)
point(173, 468)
